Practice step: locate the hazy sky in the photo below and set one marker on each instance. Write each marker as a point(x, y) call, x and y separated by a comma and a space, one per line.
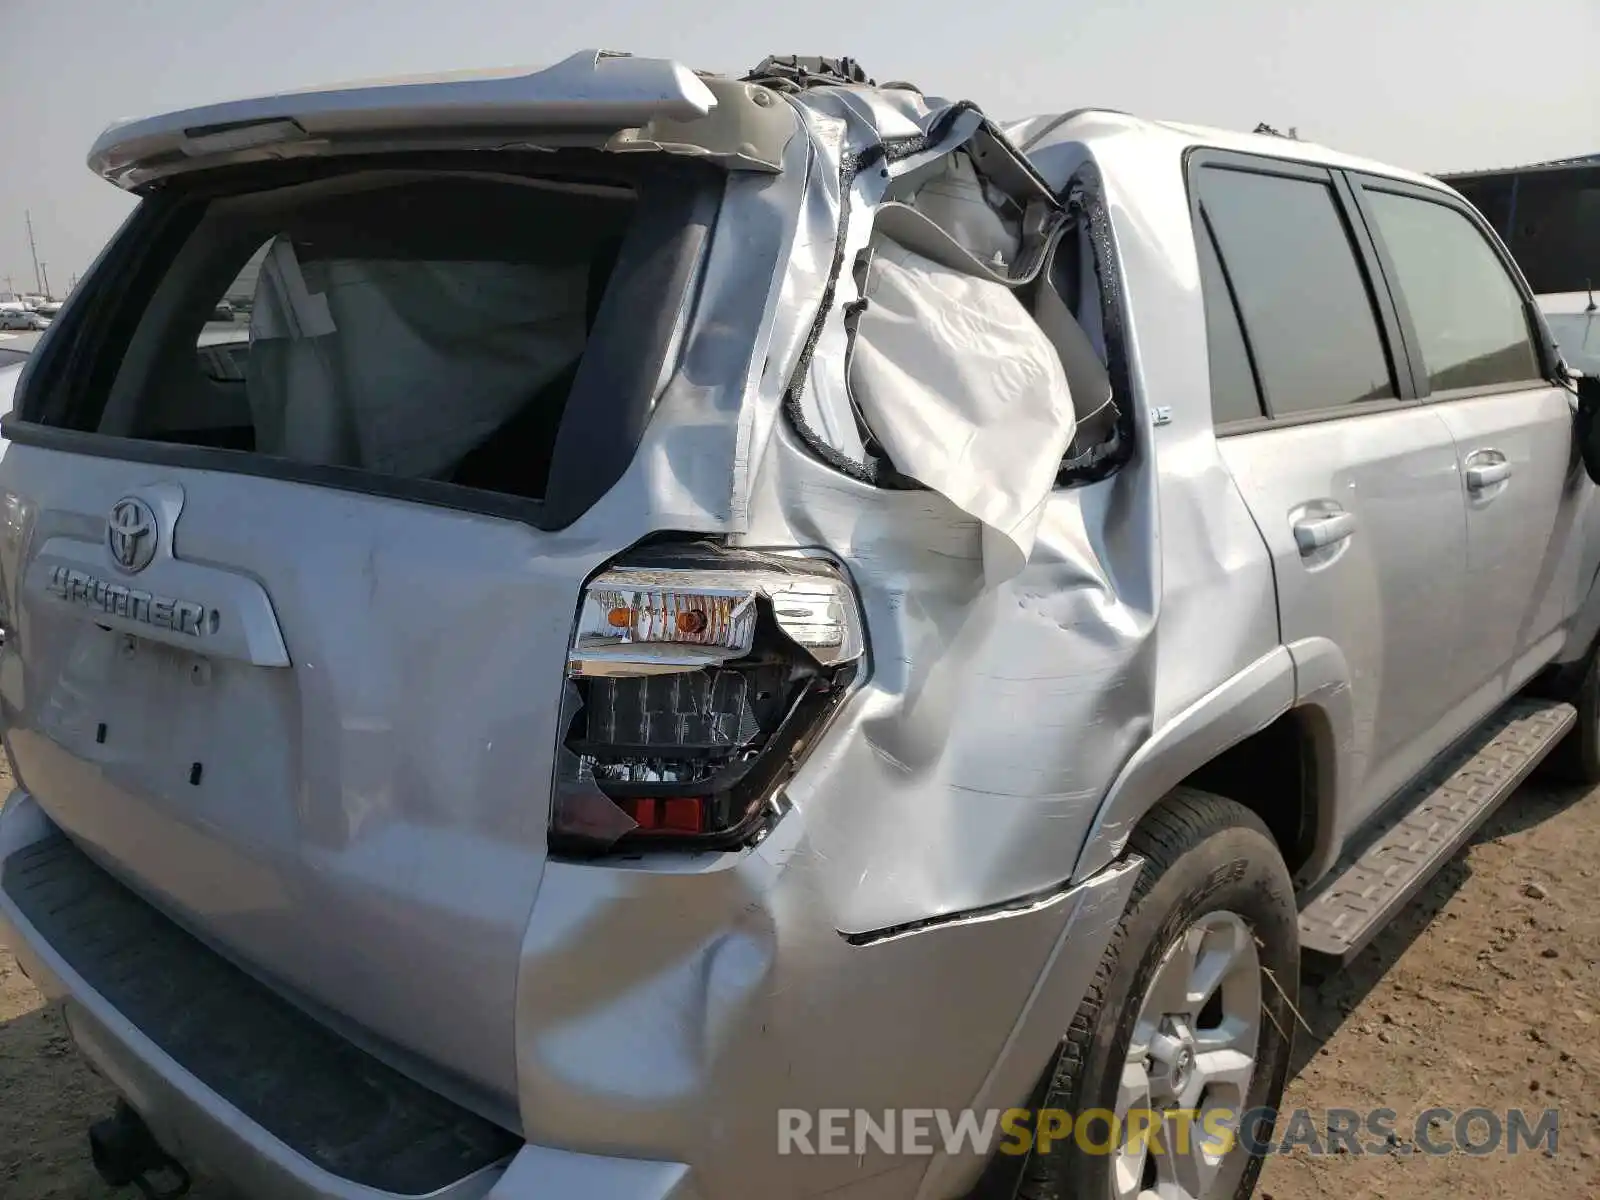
point(1429, 84)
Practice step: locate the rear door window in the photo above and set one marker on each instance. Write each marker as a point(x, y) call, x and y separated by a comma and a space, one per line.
point(1302, 294)
point(1470, 319)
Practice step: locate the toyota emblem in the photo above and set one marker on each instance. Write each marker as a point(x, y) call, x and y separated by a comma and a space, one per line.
point(131, 534)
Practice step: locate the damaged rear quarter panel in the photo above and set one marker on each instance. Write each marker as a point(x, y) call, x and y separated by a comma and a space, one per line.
point(967, 770)
point(971, 766)
point(668, 1006)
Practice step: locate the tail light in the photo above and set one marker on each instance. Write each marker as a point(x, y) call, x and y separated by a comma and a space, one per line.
point(696, 679)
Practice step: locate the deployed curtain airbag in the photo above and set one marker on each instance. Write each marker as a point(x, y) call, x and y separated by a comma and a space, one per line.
point(403, 366)
point(965, 394)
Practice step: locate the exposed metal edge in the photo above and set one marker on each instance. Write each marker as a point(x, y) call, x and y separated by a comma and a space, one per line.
point(1030, 902)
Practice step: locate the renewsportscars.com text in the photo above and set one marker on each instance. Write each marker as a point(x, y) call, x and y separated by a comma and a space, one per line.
point(1214, 1131)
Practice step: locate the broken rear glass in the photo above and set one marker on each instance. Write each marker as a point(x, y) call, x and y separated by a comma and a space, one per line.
point(419, 324)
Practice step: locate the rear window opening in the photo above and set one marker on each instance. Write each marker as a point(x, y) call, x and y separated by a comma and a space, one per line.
point(426, 328)
point(416, 324)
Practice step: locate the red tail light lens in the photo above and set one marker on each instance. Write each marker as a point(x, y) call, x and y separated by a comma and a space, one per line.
point(693, 687)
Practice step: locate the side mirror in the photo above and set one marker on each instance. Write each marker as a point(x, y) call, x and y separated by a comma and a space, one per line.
point(1587, 424)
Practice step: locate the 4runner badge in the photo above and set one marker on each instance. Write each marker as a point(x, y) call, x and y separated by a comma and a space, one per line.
point(131, 534)
point(120, 600)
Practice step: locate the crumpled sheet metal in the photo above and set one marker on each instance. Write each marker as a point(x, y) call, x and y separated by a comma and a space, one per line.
point(988, 440)
point(961, 777)
point(958, 782)
point(737, 998)
point(722, 388)
point(763, 283)
point(1217, 602)
point(968, 769)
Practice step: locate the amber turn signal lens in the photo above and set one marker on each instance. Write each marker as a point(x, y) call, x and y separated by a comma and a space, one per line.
point(691, 622)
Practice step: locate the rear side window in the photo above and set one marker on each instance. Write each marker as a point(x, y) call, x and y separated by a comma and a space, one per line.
point(1302, 295)
point(1470, 322)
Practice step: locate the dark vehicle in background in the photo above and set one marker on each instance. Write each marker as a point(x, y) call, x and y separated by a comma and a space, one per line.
point(1548, 214)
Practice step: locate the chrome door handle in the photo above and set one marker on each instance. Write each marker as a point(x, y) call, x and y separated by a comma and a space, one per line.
point(1313, 533)
point(1487, 475)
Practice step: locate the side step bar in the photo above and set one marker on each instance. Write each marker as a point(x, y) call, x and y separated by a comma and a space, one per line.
point(1431, 822)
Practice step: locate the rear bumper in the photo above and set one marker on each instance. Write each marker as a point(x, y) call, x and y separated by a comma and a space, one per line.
point(213, 1122)
point(173, 1027)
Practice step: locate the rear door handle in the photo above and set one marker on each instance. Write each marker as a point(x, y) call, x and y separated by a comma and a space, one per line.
point(1486, 475)
point(1313, 533)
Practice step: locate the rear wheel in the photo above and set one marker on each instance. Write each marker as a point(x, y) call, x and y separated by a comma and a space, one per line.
point(1188, 1026)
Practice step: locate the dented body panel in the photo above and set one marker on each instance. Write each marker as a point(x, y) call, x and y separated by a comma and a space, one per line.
point(946, 861)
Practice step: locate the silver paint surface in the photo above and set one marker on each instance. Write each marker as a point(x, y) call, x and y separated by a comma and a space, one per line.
point(371, 829)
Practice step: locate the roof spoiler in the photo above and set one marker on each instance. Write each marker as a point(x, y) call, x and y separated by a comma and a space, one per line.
point(586, 98)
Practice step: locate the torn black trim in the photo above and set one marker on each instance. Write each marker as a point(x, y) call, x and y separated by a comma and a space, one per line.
point(867, 472)
point(1086, 200)
point(897, 148)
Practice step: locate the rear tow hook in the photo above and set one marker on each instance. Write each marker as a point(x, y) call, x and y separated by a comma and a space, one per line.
point(125, 1152)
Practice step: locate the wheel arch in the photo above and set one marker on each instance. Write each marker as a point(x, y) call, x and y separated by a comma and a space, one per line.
point(1276, 737)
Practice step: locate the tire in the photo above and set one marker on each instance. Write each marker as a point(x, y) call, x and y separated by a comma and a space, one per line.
point(1210, 866)
point(1577, 758)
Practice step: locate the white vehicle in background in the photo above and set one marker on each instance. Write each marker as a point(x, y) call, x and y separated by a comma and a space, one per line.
point(12, 360)
point(11, 363)
point(1574, 320)
point(17, 317)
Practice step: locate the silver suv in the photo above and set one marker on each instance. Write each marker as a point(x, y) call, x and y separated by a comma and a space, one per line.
point(707, 602)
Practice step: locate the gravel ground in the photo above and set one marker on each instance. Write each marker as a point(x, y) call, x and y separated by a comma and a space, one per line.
point(1485, 993)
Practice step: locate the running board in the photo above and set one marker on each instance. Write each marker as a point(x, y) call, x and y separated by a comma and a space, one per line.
point(1433, 820)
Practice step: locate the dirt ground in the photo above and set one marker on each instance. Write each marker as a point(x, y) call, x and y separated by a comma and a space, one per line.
point(1485, 993)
